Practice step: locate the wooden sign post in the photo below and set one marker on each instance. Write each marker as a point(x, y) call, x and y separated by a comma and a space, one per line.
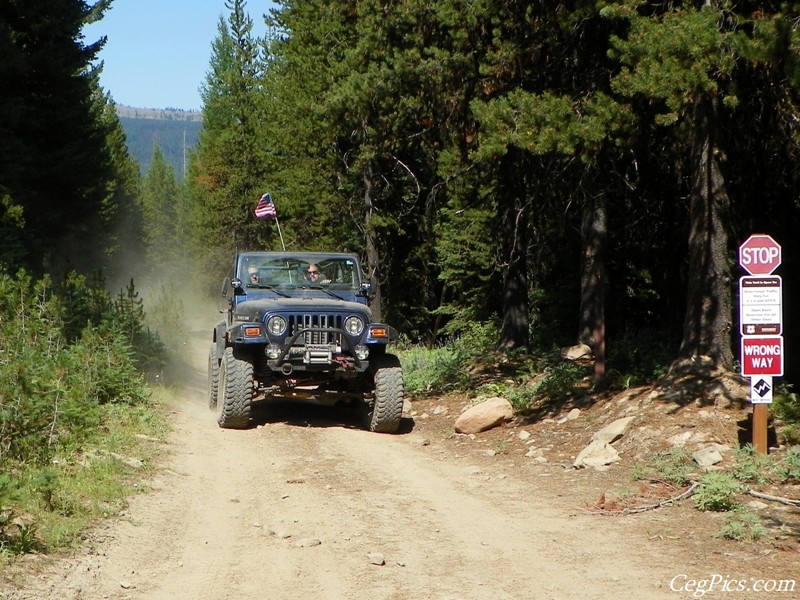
point(760, 313)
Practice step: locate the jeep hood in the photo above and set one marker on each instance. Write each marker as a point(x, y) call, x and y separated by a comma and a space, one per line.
point(255, 310)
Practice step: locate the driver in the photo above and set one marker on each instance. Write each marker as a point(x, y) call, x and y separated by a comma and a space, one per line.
point(252, 274)
point(313, 275)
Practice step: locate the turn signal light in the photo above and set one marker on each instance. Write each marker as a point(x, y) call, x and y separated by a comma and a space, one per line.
point(251, 332)
point(379, 332)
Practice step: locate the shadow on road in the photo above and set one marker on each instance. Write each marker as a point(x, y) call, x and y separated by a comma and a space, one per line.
point(308, 414)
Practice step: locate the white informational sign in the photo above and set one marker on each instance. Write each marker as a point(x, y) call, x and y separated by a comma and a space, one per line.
point(760, 305)
point(761, 389)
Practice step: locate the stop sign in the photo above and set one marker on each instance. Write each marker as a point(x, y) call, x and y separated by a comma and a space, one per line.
point(759, 254)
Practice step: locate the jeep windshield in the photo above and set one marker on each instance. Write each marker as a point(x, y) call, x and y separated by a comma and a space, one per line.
point(304, 270)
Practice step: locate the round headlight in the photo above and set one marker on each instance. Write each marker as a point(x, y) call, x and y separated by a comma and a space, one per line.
point(353, 325)
point(276, 325)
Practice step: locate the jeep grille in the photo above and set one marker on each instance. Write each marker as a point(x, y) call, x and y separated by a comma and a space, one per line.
point(307, 321)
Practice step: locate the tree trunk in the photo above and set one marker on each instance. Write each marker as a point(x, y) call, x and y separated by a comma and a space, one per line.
point(514, 332)
point(708, 322)
point(373, 256)
point(592, 326)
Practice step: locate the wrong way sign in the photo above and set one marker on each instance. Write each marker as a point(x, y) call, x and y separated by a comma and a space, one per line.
point(762, 356)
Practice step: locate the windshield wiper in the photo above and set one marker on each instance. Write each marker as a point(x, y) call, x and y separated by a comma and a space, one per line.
point(266, 287)
point(321, 289)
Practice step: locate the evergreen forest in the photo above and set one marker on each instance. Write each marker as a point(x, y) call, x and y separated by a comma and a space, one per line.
point(569, 172)
point(573, 172)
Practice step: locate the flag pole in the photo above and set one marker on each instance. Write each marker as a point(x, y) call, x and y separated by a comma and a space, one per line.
point(279, 233)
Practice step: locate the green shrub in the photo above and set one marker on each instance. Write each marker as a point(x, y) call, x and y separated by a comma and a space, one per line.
point(716, 492)
point(426, 370)
point(52, 380)
point(561, 382)
point(16, 536)
point(45, 482)
point(69, 357)
point(149, 353)
point(84, 303)
point(786, 408)
point(477, 340)
point(673, 466)
point(742, 525)
point(789, 467)
point(442, 368)
point(789, 434)
point(751, 465)
point(786, 405)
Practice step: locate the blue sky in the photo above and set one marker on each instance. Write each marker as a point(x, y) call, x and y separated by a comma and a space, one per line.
point(157, 52)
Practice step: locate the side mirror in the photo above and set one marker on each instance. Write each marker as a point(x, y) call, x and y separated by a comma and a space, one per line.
point(236, 284)
point(366, 287)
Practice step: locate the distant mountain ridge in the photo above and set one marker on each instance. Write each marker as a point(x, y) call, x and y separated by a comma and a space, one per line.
point(166, 114)
point(174, 131)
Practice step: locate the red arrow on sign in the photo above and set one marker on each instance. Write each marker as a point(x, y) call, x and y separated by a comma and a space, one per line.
point(759, 254)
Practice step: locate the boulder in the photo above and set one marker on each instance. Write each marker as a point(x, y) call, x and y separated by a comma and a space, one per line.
point(576, 352)
point(597, 454)
point(709, 456)
point(483, 416)
point(612, 431)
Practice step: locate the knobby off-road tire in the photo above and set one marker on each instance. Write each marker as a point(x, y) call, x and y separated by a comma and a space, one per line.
point(235, 393)
point(387, 410)
point(213, 377)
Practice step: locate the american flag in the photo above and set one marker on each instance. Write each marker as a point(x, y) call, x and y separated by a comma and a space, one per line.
point(265, 208)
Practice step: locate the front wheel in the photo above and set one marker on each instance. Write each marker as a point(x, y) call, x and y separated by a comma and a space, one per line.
point(235, 392)
point(385, 412)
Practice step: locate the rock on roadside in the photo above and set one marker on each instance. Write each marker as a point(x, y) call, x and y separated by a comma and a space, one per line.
point(483, 416)
point(599, 453)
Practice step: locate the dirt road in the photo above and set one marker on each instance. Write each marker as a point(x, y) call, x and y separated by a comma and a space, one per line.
point(308, 506)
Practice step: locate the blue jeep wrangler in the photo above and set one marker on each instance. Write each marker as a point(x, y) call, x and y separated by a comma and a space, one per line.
point(298, 326)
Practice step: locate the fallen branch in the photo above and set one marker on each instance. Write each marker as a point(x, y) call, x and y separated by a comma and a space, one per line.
point(763, 496)
point(641, 509)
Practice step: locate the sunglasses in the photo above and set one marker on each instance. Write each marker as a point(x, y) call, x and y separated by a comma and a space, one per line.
point(313, 272)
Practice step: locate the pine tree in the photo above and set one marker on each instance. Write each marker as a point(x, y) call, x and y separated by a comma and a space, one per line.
point(54, 170)
point(120, 217)
point(686, 58)
point(227, 171)
point(358, 150)
point(160, 199)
